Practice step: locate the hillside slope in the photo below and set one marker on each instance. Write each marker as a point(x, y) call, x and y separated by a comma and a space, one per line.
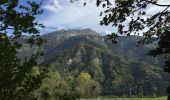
point(122, 69)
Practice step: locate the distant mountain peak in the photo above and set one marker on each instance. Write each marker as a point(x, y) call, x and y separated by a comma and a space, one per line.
point(73, 32)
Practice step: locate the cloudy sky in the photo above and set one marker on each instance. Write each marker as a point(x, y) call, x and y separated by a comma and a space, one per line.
point(61, 14)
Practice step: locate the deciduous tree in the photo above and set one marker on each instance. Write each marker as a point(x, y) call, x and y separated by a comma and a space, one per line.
point(18, 17)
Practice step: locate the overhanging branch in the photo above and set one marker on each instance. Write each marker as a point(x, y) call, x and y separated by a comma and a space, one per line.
point(154, 3)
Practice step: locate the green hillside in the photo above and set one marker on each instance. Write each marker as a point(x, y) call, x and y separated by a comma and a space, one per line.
point(94, 67)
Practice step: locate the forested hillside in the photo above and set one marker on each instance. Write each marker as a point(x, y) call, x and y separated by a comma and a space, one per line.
point(84, 63)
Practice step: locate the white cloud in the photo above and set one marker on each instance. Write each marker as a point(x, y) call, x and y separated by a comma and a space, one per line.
point(65, 15)
point(52, 6)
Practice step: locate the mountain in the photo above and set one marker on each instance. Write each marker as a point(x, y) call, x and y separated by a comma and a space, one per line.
point(127, 47)
point(122, 69)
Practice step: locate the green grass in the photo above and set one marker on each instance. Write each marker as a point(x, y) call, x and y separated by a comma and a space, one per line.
point(161, 98)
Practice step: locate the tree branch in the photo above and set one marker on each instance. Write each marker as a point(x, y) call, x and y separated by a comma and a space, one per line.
point(162, 5)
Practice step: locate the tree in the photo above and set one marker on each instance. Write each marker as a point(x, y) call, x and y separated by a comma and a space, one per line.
point(17, 78)
point(55, 87)
point(86, 86)
point(48, 87)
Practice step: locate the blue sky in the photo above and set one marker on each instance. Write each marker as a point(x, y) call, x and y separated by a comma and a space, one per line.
point(61, 14)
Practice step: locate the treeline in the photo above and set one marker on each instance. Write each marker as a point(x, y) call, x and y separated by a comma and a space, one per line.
point(65, 86)
point(126, 80)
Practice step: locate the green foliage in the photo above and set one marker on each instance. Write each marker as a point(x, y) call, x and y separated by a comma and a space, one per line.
point(86, 86)
point(18, 79)
point(55, 87)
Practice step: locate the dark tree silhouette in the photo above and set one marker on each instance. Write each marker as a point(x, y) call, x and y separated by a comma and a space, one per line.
point(17, 18)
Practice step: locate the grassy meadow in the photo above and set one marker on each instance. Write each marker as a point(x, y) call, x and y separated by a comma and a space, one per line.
point(161, 98)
